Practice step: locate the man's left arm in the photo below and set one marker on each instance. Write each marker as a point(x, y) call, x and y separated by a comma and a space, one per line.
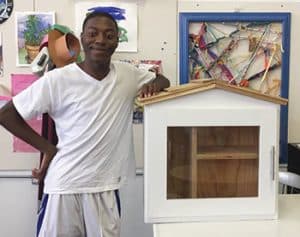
point(155, 86)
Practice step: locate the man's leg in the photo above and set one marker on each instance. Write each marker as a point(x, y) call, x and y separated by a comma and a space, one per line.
point(63, 217)
point(101, 214)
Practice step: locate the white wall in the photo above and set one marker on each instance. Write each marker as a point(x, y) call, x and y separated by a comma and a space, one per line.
point(157, 39)
point(18, 204)
point(132, 210)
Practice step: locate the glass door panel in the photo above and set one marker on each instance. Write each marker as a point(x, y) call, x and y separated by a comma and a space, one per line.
point(212, 162)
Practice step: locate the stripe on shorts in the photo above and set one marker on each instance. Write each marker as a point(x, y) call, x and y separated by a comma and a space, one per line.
point(41, 213)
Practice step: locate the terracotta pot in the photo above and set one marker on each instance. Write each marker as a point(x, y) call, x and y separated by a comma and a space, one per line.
point(32, 52)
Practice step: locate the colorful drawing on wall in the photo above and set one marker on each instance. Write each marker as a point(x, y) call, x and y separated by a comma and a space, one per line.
point(124, 13)
point(248, 50)
point(243, 53)
point(1, 56)
point(31, 27)
point(6, 8)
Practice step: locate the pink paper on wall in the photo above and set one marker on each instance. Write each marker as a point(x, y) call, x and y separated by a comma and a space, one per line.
point(20, 82)
point(4, 98)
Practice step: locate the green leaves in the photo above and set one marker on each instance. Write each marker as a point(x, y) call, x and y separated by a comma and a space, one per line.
point(35, 29)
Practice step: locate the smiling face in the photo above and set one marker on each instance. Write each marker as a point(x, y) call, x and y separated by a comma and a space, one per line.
point(99, 39)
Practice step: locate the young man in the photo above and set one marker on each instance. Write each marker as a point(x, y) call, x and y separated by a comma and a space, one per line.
point(91, 104)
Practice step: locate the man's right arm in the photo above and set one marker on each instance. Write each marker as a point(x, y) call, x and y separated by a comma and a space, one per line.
point(14, 123)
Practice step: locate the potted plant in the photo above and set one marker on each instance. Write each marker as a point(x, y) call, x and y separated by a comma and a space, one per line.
point(34, 31)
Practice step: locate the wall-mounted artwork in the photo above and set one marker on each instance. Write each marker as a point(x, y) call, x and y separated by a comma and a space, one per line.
point(31, 27)
point(124, 13)
point(244, 49)
point(1, 56)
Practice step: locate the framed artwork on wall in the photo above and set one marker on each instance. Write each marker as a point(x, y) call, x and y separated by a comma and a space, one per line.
point(244, 49)
point(31, 27)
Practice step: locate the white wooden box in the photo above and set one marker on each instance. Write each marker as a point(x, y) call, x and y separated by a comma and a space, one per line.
point(211, 153)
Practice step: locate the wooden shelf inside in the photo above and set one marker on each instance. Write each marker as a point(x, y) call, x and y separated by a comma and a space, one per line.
point(227, 152)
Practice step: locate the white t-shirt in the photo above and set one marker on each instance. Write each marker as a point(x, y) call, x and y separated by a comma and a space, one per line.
point(93, 122)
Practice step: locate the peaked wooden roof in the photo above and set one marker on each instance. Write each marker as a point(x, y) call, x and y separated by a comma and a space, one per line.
point(200, 85)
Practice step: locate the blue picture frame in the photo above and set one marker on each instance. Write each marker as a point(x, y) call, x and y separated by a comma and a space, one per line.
point(283, 17)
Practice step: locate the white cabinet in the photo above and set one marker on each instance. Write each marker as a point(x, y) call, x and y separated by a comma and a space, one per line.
point(211, 155)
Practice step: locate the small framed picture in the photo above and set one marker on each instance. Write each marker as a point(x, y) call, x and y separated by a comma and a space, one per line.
point(31, 27)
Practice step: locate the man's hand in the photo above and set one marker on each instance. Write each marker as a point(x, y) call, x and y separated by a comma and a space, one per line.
point(40, 173)
point(155, 86)
point(149, 89)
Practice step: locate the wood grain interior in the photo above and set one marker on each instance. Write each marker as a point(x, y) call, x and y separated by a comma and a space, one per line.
point(211, 162)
